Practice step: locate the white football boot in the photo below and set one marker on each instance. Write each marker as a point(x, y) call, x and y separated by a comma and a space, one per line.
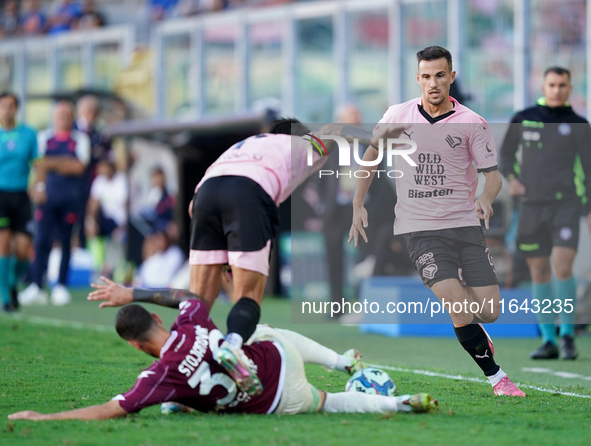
point(33, 295)
point(60, 295)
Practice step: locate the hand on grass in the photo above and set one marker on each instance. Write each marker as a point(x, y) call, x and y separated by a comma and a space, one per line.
point(26, 415)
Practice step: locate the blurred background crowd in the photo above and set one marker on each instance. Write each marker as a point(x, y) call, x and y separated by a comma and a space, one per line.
point(162, 87)
point(36, 17)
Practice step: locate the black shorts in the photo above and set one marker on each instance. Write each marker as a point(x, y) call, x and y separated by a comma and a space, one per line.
point(232, 213)
point(455, 253)
point(15, 211)
point(543, 226)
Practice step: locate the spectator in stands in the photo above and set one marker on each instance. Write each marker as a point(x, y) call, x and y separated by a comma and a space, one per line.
point(66, 13)
point(235, 4)
point(186, 8)
point(33, 20)
point(91, 18)
point(106, 214)
point(9, 20)
point(18, 149)
point(336, 209)
point(87, 112)
point(57, 192)
point(161, 9)
point(255, 3)
point(162, 260)
point(160, 204)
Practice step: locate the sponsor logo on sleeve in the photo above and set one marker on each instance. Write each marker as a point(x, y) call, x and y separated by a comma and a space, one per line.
point(566, 233)
point(564, 129)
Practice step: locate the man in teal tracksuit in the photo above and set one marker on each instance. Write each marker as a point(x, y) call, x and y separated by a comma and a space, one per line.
point(18, 148)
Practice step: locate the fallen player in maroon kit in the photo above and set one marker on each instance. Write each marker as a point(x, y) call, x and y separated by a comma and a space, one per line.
point(187, 373)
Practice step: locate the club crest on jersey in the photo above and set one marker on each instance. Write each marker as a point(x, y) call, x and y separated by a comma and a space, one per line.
point(566, 233)
point(429, 271)
point(453, 141)
point(564, 129)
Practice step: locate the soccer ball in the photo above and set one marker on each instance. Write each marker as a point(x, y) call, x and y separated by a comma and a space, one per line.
point(170, 407)
point(373, 381)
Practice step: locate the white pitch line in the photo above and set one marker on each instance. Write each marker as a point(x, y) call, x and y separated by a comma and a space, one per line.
point(569, 375)
point(39, 320)
point(478, 380)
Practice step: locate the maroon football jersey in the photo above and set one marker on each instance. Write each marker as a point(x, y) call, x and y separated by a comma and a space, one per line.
point(188, 374)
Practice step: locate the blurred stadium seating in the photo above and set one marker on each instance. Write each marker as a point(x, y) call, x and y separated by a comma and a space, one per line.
point(206, 60)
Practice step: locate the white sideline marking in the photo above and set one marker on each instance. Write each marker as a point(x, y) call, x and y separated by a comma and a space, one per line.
point(478, 380)
point(40, 320)
point(555, 373)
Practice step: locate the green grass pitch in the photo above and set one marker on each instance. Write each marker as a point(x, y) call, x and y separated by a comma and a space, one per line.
point(50, 368)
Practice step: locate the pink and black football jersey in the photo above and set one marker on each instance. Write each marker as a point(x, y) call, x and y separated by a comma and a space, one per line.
point(438, 191)
point(276, 162)
point(188, 374)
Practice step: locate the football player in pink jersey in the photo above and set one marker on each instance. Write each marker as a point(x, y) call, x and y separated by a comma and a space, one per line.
point(436, 210)
point(234, 218)
point(187, 373)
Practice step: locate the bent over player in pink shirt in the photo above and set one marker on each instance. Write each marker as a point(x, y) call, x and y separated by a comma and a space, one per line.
point(187, 373)
point(436, 210)
point(235, 218)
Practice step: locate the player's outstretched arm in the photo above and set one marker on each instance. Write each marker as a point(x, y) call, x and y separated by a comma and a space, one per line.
point(114, 295)
point(351, 132)
point(112, 409)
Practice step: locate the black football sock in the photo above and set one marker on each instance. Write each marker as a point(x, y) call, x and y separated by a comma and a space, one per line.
point(475, 342)
point(242, 321)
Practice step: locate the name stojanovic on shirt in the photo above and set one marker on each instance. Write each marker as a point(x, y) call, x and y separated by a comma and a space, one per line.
point(438, 193)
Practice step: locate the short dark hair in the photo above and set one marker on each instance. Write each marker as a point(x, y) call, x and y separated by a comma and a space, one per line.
point(133, 322)
point(557, 70)
point(434, 53)
point(288, 126)
point(8, 94)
